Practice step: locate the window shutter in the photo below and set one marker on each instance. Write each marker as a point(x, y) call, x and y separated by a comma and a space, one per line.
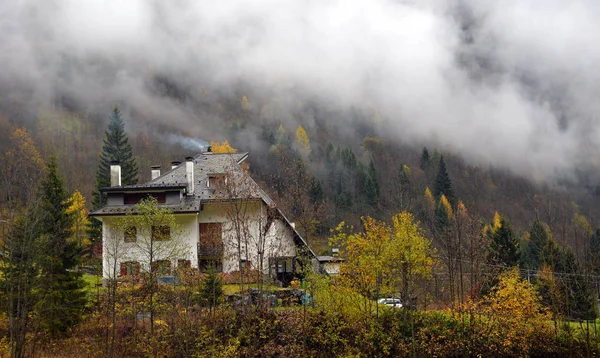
point(123, 269)
point(168, 267)
point(137, 268)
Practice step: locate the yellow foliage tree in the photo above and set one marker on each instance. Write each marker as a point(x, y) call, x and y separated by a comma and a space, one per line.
point(409, 254)
point(365, 255)
point(22, 168)
point(496, 222)
point(302, 139)
point(406, 169)
point(447, 207)
point(220, 148)
point(245, 104)
point(384, 259)
point(514, 310)
point(79, 213)
point(461, 209)
point(429, 198)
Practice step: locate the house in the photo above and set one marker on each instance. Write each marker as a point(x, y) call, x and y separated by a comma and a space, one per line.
point(227, 221)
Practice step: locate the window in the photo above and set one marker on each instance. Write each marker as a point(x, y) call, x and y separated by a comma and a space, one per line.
point(135, 198)
point(184, 264)
point(161, 267)
point(130, 234)
point(210, 264)
point(217, 181)
point(161, 233)
point(281, 264)
point(210, 247)
point(130, 268)
point(246, 264)
point(210, 241)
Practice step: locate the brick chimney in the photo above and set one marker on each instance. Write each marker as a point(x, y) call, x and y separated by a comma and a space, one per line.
point(115, 174)
point(155, 171)
point(175, 164)
point(189, 175)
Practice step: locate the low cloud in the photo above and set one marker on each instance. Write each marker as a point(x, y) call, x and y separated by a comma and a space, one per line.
point(512, 83)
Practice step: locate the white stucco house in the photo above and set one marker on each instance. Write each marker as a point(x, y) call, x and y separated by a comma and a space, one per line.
point(227, 221)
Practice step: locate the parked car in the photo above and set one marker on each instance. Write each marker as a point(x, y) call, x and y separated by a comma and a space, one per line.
point(390, 302)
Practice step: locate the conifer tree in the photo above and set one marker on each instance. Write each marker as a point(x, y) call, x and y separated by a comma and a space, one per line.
point(372, 185)
point(443, 184)
point(594, 252)
point(63, 299)
point(505, 246)
point(537, 247)
point(424, 158)
point(116, 148)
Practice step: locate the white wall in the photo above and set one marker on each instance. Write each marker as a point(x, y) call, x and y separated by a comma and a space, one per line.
point(116, 249)
point(278, 241)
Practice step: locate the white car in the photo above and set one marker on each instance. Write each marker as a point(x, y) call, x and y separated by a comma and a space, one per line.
point(390, 302)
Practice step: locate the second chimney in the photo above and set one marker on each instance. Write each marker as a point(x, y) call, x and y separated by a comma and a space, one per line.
point(189, 175)
point(115, 174)
point(175, 164)
point(155, 172)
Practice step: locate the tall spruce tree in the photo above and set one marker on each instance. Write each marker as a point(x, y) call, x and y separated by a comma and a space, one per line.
point(537, 250)
point(116, 148)
point(505, 246)
point(443, 184)
point(424, 158)
point(62, 301)
point(372, 185)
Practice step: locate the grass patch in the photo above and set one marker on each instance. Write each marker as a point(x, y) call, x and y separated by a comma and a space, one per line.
point(91, 281)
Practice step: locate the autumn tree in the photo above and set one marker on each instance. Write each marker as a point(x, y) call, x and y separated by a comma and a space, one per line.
point(245, 104)
point(22, 168)
point(384, 259)
point(79, 213)
point(410, 254)
point(222, 148)
point(366, 268)
point(514, 310)
point(302, 140)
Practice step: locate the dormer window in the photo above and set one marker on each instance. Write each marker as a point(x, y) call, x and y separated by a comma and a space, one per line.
point(217, 181)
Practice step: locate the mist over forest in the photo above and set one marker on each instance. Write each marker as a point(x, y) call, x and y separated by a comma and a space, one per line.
point(508, 84)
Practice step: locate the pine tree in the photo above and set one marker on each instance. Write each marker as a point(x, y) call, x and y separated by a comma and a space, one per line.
point(424, 158)
point(505, 246)
point(63, 299)
point(580, 302)
point(594, 253)
point(537, 247)
point(372, 185)
point(443, 184)
point(116, 148)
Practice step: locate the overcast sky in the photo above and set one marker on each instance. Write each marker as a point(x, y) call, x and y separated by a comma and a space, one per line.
point(511, 82)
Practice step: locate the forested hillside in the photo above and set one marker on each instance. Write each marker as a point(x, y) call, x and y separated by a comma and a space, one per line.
point(448, 150)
